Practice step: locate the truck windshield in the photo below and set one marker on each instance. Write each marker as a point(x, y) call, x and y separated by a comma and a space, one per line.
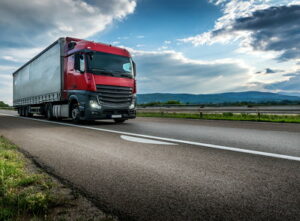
point(109, 64)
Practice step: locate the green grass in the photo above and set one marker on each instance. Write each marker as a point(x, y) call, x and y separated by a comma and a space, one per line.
point(7, 108)
point(227, 116)
point(22, 193)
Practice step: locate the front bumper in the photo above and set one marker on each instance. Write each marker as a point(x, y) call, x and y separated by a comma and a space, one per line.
point(108, 113)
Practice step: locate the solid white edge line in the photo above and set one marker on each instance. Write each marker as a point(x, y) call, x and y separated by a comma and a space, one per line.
point(220, 147)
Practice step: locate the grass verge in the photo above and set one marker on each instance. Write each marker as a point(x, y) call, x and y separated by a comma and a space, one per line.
point(20, 191)
point(7, 108)
point(27, 193)
point(226, 116)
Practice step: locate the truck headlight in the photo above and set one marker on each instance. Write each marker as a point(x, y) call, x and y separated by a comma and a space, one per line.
point(132, 105)
point(94, 104)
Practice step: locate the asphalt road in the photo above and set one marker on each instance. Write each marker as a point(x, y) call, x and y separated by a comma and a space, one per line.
point(171, 169)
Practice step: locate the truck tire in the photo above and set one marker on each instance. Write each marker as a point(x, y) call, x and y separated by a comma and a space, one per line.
point(49, 113)
point(75, 113)
point(20, 111)
point(119, 121)
point(25, 111)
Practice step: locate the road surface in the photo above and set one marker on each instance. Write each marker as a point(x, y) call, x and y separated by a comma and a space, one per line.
point(171, 169)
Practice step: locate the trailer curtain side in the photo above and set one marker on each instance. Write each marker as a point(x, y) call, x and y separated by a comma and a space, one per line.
point(40, 79)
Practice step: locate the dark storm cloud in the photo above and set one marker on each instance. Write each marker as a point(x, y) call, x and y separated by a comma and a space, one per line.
point(270, 71)
point(272, 29)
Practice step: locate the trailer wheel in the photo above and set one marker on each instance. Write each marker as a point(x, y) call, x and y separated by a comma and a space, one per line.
point(49, 113)
point(26, 112)
point(119, 121)
point(20, 111)
point(75, 113)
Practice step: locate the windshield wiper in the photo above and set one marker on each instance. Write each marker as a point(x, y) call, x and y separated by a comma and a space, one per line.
point(103, 71)
point(124, 74)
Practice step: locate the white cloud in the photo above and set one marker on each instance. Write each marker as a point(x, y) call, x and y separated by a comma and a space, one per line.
point(21, 54)
point(217, 2)
point(260, 26)
point(36, 22)
point(9, 58)
point(171, 72)
point(162, 48)
point(231, 11)
point(28, 27)
point(263, 29)
point(6, 83)
point(115, 43)
point(5, 68)
point(123, 38)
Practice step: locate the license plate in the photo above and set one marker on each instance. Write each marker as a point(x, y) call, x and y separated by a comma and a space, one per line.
point(116, 116)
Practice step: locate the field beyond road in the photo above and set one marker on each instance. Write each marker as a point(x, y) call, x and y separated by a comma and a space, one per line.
point(226, 116)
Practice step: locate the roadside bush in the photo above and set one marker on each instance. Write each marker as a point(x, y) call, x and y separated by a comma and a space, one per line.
point(228, 114)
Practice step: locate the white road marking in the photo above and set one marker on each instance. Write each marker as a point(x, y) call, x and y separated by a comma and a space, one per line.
point(234, 149)
point(143, 140)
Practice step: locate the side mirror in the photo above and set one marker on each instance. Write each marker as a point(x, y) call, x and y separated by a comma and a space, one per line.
point(134, 68)
point(79, 63)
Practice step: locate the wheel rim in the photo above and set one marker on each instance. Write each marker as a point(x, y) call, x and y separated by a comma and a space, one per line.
point(75, 113)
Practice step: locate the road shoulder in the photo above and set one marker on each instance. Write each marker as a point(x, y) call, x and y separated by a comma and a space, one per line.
point(28, 192)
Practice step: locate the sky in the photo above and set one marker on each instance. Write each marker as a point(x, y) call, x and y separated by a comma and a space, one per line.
point(190, 46)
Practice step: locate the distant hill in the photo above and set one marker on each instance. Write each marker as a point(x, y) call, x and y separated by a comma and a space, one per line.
point(297, 94)
point(232, 97)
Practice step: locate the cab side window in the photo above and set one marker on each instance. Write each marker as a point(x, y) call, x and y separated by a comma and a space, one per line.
point(79, 62)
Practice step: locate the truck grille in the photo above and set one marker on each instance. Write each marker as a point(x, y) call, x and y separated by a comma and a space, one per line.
point(114, 95)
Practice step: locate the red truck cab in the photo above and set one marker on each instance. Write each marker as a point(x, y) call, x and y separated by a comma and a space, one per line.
point(99, 81)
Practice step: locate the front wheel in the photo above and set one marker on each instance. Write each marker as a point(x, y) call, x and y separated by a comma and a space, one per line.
point(119, 121)
point(75, 113)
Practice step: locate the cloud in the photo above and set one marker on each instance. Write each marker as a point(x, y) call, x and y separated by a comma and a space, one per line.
point(291, 85)
point(258, 26)
point(171, 72)
point(272, 71)
point(36, 22)
point(218, 2)
point(28, 27)
point(273, 29)
point(269, 71)
point(6, 83)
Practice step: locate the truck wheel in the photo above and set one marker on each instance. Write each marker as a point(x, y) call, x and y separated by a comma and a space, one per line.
point(49, 113)
point(20, 111)
point(119, 121)
point(25, 112)
point(75, 113)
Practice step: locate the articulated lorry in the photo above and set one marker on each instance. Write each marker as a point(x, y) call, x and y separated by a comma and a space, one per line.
point(78, 79)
